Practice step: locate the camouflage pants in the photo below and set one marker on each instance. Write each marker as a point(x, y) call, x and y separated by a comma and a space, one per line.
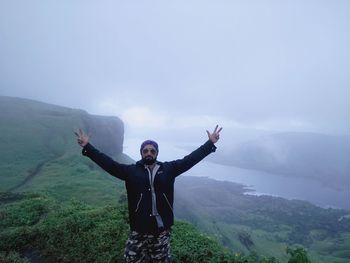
point(148, 248)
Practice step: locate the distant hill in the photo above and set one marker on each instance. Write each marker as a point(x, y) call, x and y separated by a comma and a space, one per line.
point(317, 156)
point(39, 152)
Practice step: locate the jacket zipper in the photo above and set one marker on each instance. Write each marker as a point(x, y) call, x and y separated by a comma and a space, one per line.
point(168, 203)
point(138, 203)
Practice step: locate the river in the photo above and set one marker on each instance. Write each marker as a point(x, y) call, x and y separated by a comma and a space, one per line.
point(276, 185)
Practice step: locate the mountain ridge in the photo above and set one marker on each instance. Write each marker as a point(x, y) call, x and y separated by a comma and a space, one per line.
point(298, 154)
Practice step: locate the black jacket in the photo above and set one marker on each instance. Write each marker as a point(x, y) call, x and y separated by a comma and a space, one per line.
point(139, 189)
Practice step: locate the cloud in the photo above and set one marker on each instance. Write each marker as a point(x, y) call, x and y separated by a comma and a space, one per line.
point(265, 66)
point(292, 124)
point(142, 117)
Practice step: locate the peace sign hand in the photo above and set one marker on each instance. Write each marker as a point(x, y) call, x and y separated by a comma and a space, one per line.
point(215, 136)
point(82, 138)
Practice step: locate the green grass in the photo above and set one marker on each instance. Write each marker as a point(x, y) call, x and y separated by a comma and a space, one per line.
point(39, 153)
point(72, 231)
point(71, 177)
point(76, 232)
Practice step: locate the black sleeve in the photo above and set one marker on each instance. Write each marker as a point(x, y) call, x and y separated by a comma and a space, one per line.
point(182, 165)
point(105, 162)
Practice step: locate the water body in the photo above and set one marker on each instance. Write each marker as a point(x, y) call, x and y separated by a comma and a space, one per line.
point(261, 183)
point(276, 185)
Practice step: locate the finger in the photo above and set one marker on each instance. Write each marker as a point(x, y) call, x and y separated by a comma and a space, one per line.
point(216, 128)
point(76, 133)
point(208, 133)
point(219, 130)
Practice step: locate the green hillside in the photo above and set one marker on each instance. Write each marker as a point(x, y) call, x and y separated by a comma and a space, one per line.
point(36, 228)
point(39, 152)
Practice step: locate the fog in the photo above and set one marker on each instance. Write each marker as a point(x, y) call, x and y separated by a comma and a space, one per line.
point(171, 70)
point(251, 64)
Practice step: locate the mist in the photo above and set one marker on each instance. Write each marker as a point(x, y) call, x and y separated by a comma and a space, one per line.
point(245, 63)
point(171, 70)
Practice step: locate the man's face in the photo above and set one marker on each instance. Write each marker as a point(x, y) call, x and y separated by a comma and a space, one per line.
point(149, 154)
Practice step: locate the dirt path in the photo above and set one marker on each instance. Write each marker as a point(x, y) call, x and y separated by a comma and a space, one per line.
point(36, 171)
point(50, 135)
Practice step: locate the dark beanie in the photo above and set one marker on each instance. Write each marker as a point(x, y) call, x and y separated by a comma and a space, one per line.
point(149, 142)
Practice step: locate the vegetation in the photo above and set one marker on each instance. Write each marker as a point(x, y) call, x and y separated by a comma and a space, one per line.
point(39, 152)
point(37, 227)
point(264, 224)
point(298, 255)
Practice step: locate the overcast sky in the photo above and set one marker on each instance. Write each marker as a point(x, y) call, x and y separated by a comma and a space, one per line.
point(184, 65)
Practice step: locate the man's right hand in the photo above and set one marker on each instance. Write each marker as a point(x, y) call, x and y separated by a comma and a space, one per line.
point(82, 138)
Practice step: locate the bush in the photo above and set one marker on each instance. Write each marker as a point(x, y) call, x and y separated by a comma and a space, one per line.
point(12, 257)
point(298, 255)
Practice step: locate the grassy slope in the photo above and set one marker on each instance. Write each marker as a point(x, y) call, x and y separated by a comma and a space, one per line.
point(39, 153)
point(37, 228)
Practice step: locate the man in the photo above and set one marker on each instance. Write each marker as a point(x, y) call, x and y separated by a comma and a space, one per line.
point(150, 191)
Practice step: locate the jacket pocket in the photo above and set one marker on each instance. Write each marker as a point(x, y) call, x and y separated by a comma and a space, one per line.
point(138, 203)
point(167, 201)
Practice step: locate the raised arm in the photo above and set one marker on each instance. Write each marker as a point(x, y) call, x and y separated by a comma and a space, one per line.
point(104, 161)
point(182, 165)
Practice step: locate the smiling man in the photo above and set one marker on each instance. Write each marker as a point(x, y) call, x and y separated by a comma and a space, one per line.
point(150, 190)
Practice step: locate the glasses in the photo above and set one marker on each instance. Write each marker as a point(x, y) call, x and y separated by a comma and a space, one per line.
point(152, 151)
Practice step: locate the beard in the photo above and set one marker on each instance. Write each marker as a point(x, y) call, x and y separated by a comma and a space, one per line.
point(149, 160)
